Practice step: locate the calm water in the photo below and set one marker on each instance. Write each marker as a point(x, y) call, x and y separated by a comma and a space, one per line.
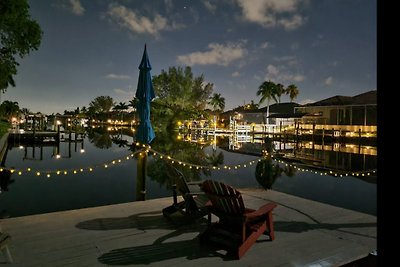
point(29, 193)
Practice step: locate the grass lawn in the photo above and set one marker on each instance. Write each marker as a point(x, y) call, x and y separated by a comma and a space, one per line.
point(4, 126)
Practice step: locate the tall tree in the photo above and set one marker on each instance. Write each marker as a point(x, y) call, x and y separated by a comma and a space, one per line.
point(217, 102)
point(279, 91)
point(267, 90)
point(102, 104)
point(180, 95)
point(19, 35)
point(292, 91)
point(251, 106)
point(9, 109)
point(180, 89)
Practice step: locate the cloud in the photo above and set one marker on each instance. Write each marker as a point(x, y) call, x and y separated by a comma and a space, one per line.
point(169, 5)
point(307, 101)
point(284, 58)
point(290, 60)
point(218, 54)
point(265, 45)
point(329, 80)
point(137, 23)
point(235, 74)
point(318, 41)
point(280, 75)
point(212, 8)
point(292, 23)
point(294, 46)
point(76, 7)
point(272, 13)
point(333, 63)
point(123, 92)
point(117, 76)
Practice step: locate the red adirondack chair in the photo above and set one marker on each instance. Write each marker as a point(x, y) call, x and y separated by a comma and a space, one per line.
point(238, 227)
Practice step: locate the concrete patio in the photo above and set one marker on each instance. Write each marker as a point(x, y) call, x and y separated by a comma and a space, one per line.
point(307, 233)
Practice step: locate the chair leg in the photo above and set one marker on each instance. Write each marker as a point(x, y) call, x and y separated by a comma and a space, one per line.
point(270, 226)
point(4, 239)
point(7, 254)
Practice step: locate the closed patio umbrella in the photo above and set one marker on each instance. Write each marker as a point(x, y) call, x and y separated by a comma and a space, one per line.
point(145, 133)
point(144, 94)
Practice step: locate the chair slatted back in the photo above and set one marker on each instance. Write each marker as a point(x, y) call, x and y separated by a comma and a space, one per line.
point(181, 184)
point(224, 198)
point(184, 190)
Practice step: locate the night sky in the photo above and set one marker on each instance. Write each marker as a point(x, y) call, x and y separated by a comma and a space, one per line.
point(93, 47)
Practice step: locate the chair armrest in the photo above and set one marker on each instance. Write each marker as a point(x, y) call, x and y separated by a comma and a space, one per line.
point(199, 183)
point(195, 193)
point(262, 211)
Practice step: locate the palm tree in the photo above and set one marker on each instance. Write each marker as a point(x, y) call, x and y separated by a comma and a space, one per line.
point(217, 102)
point(133, 103)
point(292, 91)
point(25, 111)
point(267, 90)
point(280, 90)
point(121, 106)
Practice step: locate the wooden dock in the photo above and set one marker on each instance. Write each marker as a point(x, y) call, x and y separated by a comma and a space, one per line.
point(307, 233)
point(34, 136)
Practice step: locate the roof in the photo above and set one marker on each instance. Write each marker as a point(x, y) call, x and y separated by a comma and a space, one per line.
point(277, 110)
point(338, 100)
point(287, 115)
point(283, 108)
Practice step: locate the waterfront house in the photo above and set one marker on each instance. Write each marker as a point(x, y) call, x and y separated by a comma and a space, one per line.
point(341, 116)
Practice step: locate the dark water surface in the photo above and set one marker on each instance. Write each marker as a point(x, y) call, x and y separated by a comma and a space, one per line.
point(29, 193)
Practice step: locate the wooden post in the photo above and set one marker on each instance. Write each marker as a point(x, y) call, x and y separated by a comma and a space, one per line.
point(313, 132)
point(58, 133)
point(141, 176)
point(69, 148)
point(34, 128)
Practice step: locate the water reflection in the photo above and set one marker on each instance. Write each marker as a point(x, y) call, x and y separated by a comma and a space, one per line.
point(186, 152)
point(5, 180)
point(118, 184)
point(267, 171)
point(100, 138)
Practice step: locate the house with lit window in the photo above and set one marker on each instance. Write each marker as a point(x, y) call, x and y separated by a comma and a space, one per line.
point(341, 116)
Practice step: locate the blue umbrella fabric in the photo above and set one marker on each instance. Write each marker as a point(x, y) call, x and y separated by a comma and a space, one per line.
point(144, 94)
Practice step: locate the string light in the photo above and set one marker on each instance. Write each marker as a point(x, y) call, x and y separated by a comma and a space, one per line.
point(168, 158)
point(171, 160)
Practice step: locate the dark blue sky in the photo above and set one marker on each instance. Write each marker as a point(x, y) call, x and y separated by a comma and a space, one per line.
point(93, 47)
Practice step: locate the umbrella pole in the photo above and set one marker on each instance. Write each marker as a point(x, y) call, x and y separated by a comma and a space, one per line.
point(141, 176)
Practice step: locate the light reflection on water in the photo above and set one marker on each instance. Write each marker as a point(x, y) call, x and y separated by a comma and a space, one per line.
point(32, 194)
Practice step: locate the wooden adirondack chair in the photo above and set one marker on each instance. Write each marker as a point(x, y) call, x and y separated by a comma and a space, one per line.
point(194, 199)
point(238, 227)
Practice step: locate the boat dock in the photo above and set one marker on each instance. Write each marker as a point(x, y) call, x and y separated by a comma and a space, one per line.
point(307, 233)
